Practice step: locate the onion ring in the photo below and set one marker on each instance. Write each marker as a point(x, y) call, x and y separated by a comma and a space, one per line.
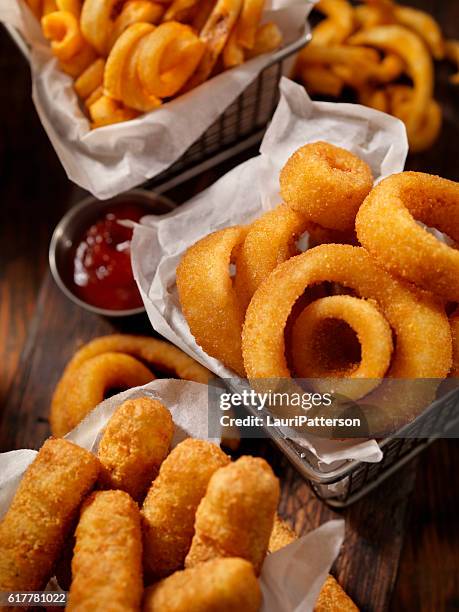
point(423, 339)
point(62, 29)
point(162, 356)
point(208, 299)
point(399, 40)
point(422, 333)
point(310, 344)
point(412, 253)
point(270, 240)
point(325, 183)
point(183, 50)
point(88, 386)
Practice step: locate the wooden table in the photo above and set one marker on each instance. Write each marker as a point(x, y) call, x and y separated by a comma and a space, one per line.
point(402, 542)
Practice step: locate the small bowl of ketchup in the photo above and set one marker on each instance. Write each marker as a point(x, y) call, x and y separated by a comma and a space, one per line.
point(89, 253)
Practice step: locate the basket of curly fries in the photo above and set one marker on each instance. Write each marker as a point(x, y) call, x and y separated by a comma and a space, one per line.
point(383, 53)
point(125, 89)
point(134, 510)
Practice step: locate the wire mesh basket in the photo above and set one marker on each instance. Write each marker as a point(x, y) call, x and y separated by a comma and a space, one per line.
point(344, 485)
point(241, 126)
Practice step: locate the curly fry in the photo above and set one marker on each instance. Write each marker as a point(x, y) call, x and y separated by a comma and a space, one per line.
point(119, 56)
point(340, 12)
point(90, 79)
point(214, 34)
point(424, 25)
point(79, 62)
point(267, 38)
point(49, 6)
point(133, 93)
point(321, 80)
point(96, 95)
point(452, 53)
point(61, 27)
point(97, 24)
point(183, 50)
point(71, 6)
point(248, 22)
point(179, 9)
point(399, 40)
point(135, 11)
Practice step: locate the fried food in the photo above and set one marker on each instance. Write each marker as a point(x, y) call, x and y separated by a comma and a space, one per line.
point(107, 561)
point(311, 344)
point(183, 50)
point(97, 23)
point(220, 585)
point(61, 27)
point(90, 79)
point(106, 110)
point(332, 598)
point(35, 527)
point(89, 384)
point(268, 37)
point(270, 240)
point(326, 184)
point(422, 336)
point(419, 65)
point(208, 298)
point(168, 512)
point(282, 535)
point(135, 11)
point(248, 21)
point(79, 62)
point(235, 517)
point(454, 322)
point(215, 34)
point(341, 53)
point(134, 444)
point(162, 356)
point(452, 54)
point(412, 253)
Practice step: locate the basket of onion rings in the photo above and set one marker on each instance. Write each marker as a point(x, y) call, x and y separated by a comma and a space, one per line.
point(365, 311)
point(115, 84)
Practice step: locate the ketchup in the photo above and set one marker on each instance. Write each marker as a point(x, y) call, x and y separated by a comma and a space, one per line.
point(102, 272)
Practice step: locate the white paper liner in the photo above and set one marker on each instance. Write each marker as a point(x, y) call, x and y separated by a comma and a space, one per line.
point(115, 158)
point(291, 578)
point(242, 195)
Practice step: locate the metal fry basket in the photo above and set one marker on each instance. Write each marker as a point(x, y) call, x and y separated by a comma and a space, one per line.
point(349, 482)
point(241, 126)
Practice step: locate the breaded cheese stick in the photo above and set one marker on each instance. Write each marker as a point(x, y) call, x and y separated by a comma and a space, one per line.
point(107, 560)
point(33, 531)
point(134, 444)
point(220, 585)
point(235, 517)
point(169, 509)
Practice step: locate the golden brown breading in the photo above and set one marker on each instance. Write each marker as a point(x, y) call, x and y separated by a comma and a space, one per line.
point(169, 509)
point(332, 598)
point(281, 535)
point(134, 444)
point(220, 585)
point(33, 531)
point(235, 517)
point(107, 561)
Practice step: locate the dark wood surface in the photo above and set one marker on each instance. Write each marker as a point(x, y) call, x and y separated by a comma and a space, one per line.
point(413, 514)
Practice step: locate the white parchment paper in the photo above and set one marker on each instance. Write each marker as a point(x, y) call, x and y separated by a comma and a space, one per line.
point(242, 195)
point(291, 578)
point(115, 158)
